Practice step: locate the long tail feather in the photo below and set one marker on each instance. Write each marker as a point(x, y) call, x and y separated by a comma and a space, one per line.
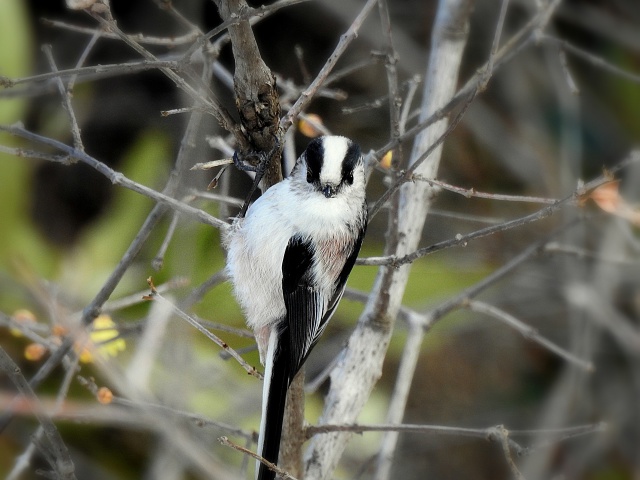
point(274, 395)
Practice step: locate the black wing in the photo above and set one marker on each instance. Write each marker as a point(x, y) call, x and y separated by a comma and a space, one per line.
point(302, 301)
point(307, 315)
point(307, 312)
point(289, 352)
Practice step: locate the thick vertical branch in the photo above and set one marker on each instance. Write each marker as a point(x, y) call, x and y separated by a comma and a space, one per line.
point(360, 367)
point(293, 435)
point(257, 99)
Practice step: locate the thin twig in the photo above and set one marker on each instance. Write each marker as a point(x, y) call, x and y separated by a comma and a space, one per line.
point(222, 327)
point(458, 240)
point(24, 460)
point(158, 260)
point(488, 69)
point(26, 153)
point(138, 37)
point(501, 435)
point(589, 57)
point(571, 83)
point(561, 433)
point(310, 91)
point(564, 434)
point(460, 299)
point(116, 178)
point(472, 192)
point(83, 58)
point(65, 94)
point(55, 451)
point(164, 410)
point(392, 73)
point(406, 106)
point(528, 332)
point(581, 253)
point(272, 466)
point(214, 338)
point(135, 298)
point(545, 212)
point(352, 68)
point(99, 71)
point(168, 7)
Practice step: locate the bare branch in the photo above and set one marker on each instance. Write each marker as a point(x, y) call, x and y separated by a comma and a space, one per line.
point(501, 435)
point(559, 433)
point(66, 101)
point(310, 91)
point(176, 41)
point(116, 178)
point(283, 474)
point(158, 260)
point(473, 193)
point(55, 451)
point(588, 57)
point(214, 338)
point(197, 95)
point(463, 240)
point(528, 332)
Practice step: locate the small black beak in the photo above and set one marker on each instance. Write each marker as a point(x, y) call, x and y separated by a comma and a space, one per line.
point(329, 191)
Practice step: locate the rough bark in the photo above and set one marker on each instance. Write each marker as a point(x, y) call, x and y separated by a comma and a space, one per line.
point(257, 98)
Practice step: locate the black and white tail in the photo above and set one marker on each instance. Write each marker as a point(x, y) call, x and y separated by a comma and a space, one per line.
point(277, 377)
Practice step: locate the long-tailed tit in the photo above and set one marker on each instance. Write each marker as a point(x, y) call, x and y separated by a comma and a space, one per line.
point(289, 259)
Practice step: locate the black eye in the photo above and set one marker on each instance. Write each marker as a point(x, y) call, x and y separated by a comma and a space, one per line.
point(349, 178)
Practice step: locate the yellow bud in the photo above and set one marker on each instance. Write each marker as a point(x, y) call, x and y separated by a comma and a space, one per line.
point(85, 355)
point(22, 315)
point(104, 395)
point(106, 336)
point(385, 162)
point(34, 352)
point(59, 330)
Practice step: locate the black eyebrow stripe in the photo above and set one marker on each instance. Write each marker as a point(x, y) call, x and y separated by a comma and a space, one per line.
point(314, 156)
point(351, 159)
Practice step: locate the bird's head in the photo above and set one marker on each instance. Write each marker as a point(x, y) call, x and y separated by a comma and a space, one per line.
point(332, 165)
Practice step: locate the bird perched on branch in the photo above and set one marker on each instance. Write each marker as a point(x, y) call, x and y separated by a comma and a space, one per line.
point(289, 259)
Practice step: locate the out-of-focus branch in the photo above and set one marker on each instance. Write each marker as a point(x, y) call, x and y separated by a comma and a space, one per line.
point(116, 178)
point(54, 450)
point(155, 295)
point(528, 332)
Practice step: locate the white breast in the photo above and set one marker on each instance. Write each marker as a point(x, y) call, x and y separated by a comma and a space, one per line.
point(258, 242)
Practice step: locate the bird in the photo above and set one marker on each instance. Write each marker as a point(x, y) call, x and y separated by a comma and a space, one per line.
point(288, 260)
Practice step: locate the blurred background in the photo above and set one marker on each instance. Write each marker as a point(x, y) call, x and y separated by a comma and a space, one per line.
point(547, 122)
